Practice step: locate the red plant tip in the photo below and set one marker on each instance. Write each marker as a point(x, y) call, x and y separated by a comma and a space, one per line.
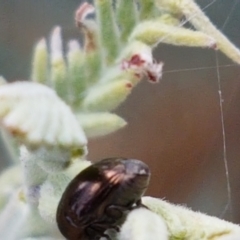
point(152, 78)
point(129, 85)
point(83, 11)
point(140, 66)
point(137, 75)
point(136, 60)
point(214, 46)
point(154, 71)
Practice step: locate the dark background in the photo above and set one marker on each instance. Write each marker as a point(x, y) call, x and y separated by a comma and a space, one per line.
point(174, 126)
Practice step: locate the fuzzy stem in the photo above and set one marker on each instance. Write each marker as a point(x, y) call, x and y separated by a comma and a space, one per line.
point(10, 146)
point(153, 32)
point(93, 67)
point(109, 36)
point(58, 65)
point(12, 217)
point(201, 22)
point(127, 17)
point(147, 9)
point(76, 71)
point(107, 97)
point(100, 124)
point(34, 176)
point(40, 60)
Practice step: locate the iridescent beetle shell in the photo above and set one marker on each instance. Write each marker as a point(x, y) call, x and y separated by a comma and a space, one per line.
point(100, 197)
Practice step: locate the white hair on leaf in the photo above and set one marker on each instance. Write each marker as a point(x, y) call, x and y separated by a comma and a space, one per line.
point(37, 116)
point(184, 223)
point(143, 224)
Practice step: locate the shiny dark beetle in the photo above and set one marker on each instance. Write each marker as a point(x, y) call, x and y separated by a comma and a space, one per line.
point(100, 197)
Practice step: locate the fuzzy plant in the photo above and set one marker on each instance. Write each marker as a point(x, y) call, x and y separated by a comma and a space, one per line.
point(45, 122)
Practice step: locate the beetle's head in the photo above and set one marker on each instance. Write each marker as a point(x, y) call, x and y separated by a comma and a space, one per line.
point(126, 172)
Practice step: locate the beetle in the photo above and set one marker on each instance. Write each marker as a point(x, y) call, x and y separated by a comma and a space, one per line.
point(100, 197)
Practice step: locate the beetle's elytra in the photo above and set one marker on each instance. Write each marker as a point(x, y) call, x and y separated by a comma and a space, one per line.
point(100, 196)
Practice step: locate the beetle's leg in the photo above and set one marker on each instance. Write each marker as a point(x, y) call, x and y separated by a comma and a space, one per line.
point(106, 236)
point(106, 224)
point(115, 227)
point(115, 211)
point(96, 230)
point(139, 204)
point(97, 237)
